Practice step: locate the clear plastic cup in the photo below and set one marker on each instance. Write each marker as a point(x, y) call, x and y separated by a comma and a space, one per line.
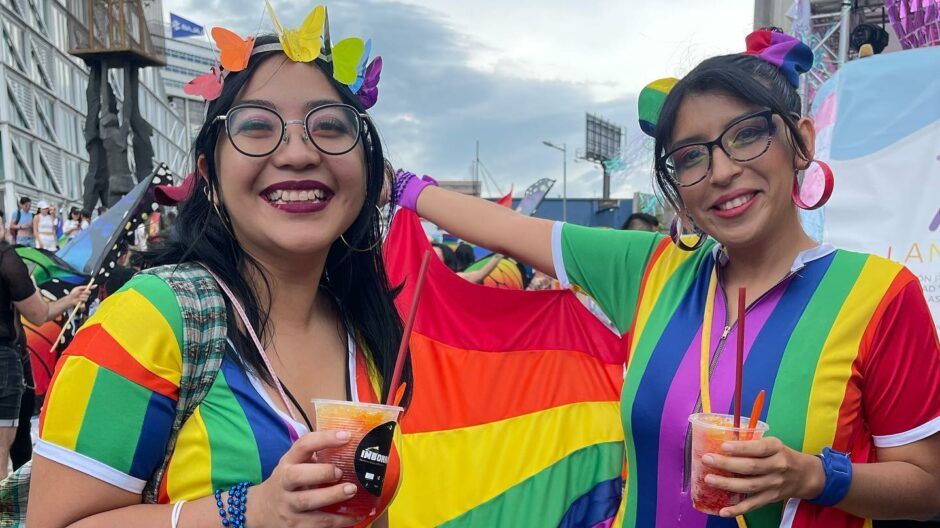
point(364, 458)
point(709, 431)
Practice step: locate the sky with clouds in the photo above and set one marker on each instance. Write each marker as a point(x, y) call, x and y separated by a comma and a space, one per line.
point(510, 74)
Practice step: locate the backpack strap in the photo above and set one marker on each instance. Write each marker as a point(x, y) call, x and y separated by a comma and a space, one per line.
point(204, 339)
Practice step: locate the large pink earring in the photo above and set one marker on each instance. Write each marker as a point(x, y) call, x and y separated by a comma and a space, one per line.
point(675, 233)
point(828, 184)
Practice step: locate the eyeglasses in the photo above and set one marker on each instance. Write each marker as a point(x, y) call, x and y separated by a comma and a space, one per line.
point(257, 131)
point(746, 139)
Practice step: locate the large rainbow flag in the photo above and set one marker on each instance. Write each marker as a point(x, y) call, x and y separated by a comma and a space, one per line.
point(515, 416)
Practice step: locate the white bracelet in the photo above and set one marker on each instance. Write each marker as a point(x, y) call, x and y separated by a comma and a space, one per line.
point(177, 509)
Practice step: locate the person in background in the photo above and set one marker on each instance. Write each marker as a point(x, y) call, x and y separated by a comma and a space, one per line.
point(641, 222)
point(57, 222)
point(44, 228)
point(21, 226)
point(86, 221)
point(465, 256)
point(447, 256)
point(72, 224)
point(18, 296)
point(3, 228)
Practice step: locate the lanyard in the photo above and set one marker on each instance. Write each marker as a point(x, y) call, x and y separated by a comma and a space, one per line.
point(251, 332)
point(706, 340)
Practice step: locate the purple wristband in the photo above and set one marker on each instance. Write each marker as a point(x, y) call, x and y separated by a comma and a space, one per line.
point(408, 187)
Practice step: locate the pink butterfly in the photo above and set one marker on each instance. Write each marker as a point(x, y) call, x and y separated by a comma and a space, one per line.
point(208, 85)
point(369, 91)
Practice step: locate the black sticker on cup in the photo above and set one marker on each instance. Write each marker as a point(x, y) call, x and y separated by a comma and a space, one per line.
point(372, 457)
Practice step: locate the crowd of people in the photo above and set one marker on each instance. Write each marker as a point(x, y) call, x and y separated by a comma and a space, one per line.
point(41, 227)
point(281, 238)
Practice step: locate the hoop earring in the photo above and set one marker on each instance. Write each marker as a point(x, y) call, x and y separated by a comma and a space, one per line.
point(378, 240)
point(675, 231)
point(828, 184)
point(218, 212)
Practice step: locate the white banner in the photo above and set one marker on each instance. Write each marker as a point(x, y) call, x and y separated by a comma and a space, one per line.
point(879, 123)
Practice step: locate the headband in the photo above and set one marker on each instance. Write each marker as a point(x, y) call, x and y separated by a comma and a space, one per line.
point(348, 59)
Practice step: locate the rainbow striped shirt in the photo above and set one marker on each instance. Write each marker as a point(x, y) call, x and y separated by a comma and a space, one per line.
point(113, 398)
point(844, 346)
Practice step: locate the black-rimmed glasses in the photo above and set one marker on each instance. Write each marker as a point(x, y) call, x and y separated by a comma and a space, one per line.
point(746, 139)
point(257, 131)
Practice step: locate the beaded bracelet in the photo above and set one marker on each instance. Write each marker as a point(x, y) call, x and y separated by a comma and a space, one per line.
point(234, 515)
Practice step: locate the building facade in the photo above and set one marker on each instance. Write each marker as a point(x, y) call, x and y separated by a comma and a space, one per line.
point(187, 58)
point(43, 105)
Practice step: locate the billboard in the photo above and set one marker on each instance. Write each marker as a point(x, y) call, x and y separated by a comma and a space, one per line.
point(603, 139)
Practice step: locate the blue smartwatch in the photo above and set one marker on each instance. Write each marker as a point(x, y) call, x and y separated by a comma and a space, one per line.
point(838, 468)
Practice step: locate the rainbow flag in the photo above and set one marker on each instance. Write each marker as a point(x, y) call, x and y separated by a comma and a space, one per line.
point(45, 266)
point(515, 415)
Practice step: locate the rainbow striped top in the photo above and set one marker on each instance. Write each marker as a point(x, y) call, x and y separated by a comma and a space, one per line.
point(113, 398)
point(844, 346)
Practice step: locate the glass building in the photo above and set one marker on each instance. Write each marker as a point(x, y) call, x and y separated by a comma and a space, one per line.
point(42, 106)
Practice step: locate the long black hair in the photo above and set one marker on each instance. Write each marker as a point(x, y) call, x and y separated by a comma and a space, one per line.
point(356, 279)
point(743, 77)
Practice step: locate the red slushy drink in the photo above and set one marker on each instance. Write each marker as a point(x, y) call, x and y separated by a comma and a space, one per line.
point(709, 431)
point(364, 458)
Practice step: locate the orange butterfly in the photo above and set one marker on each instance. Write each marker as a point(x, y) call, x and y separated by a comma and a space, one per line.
point(235, 51)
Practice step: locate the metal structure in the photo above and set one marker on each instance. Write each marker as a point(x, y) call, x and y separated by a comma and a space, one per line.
point(43, 105)
point(826, 26)
point(564, 176)
point(113, 34)
point(602, 142)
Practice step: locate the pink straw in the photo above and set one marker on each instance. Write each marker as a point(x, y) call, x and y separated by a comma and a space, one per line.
point(406, 336)
point(739, 364)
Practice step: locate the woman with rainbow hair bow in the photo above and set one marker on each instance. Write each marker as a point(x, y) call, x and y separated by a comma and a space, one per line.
point(842, 343)
point(283, 219)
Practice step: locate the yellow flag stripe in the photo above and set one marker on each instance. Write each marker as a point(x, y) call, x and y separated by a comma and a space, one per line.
point(835, 363)
point(511, 451)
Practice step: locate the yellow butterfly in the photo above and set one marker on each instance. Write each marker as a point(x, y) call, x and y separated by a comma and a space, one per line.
point(300, 45)
point(347, 54)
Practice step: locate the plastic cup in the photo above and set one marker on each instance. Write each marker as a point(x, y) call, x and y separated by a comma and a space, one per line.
point(709, 431)
point(364, 458)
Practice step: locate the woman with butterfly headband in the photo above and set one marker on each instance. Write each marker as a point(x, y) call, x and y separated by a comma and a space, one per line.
point(842, 343)
point(283, 212)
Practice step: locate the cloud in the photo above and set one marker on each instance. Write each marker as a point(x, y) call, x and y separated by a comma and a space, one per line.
point(506, 74)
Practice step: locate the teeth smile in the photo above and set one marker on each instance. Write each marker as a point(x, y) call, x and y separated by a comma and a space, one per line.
point(314, 195)
point(737, 202)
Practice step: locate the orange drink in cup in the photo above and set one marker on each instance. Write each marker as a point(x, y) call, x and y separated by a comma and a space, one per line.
point(364, 458)
point(709, 431)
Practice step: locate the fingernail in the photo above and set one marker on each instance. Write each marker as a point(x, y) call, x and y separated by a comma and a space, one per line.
point(342, 435)
point(349, 489)
point(709, 479)
point(727, 447)
point(708, 459)
point(723, 513)
point(337, 472)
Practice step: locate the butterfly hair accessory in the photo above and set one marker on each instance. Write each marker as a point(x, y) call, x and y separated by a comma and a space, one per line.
point(348, 59)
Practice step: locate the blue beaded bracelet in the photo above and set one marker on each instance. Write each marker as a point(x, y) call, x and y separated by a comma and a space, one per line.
point(233, 516)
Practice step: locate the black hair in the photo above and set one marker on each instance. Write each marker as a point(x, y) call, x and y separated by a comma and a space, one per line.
point(464, 255)
point(25, 200)
point(356, 280)
point(74, 210)
point(450, 258)
point(651, 220)
point(743, 77)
